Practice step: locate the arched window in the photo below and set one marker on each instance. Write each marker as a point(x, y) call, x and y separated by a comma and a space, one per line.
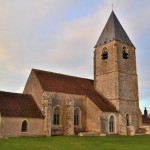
point(127, 120)
point(124, 53)
point(24, 126)
point(77, 115)
point(111, 124)
point(56, 116)
point(104, 53)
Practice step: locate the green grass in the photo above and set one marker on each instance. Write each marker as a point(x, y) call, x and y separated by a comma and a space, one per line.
point(76, 143)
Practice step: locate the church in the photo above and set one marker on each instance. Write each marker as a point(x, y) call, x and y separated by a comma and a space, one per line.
point(58, 104)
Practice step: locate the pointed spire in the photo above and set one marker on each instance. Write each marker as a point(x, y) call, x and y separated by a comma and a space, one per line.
point(145, 112)
point(113, 30)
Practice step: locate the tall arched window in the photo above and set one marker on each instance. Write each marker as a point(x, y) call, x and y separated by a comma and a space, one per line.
point(77, 115)
point(127, 120)
point(56, 116)
point(112, 124)
point(24, 126)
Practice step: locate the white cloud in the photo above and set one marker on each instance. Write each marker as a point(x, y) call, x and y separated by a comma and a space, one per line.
point(37, 34)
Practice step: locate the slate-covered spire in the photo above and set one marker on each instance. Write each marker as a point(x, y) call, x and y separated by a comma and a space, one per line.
point(113, 30)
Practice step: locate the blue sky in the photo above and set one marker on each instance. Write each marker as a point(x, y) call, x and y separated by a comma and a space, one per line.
point(59, 36)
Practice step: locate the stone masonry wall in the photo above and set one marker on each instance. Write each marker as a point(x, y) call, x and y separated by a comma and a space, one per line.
point(47, 111)
point(116, 79)
point(33, 87)
point(105, 74)
point(69, 117)
point(93, 123)
point(12, 127)
point(105, 116)
point(67, 104)
point(90, 114)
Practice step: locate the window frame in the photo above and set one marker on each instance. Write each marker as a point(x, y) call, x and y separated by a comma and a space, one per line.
point(56, 116)
point(77, 116)
point(24, 126)
point(112, 124)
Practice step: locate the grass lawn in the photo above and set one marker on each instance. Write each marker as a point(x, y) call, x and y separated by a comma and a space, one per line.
point(76, 143)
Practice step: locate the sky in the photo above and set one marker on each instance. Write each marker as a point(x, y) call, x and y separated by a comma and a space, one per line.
point(59, 36)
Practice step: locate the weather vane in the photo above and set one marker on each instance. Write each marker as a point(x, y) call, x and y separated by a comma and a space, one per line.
point(112, 6)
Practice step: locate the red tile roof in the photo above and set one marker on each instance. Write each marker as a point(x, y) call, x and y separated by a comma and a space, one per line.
point(18, 105)
point(72, 85)
point(146, 120)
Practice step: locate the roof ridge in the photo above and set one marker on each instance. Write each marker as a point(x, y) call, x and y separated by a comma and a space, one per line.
point(62, 74)
point(8, 92)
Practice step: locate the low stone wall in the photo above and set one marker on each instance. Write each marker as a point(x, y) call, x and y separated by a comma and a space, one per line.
point(144, 130)
point(131, 130)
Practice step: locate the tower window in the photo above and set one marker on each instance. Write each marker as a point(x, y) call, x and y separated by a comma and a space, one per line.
point(104, 53)
point(124, 53)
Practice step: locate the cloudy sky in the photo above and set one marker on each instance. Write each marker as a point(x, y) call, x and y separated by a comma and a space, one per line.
point(59, 36)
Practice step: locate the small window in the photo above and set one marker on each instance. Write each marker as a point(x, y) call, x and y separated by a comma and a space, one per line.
point(77, 117)
point(56, 116)
point(111, 124)
point(124, 53)
point(24, 126)
point(127, 120)
point(104, 53)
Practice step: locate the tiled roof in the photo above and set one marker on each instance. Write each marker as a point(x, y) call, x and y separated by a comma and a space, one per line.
point(113, 30)
point(18, 105)
point(72, 85)
point(146, 120)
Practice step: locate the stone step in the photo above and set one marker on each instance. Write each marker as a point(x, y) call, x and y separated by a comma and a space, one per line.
point(89, 134)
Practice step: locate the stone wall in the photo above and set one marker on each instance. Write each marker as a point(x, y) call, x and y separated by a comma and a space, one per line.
point(116, 78)
point(47, 111)
point(104, 71)
point(105, 116)
point(11, 127)
point(131, 130)
point(33, 87)
point(93, 114)
point(69, 117)
point(90, 114)
point(67, 104)
point(144, 130)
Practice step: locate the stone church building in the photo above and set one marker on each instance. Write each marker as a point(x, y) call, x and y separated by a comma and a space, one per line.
point(57, 104)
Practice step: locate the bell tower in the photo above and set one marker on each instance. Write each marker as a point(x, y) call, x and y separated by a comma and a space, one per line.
point(115, 75)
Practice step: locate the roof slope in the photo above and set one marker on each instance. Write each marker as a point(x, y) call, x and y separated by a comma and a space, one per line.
point(113, 30)
point(72, 85)
point(146, 120)
point(18, 105)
